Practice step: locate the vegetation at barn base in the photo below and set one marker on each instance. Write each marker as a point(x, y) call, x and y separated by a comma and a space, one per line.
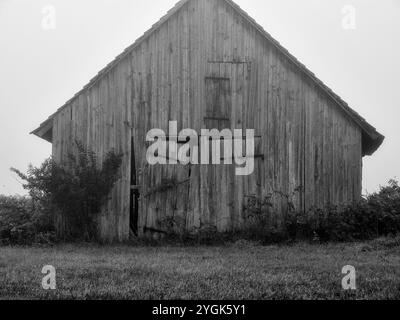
point(75, 190)
point(376, 215)
point(23, 221)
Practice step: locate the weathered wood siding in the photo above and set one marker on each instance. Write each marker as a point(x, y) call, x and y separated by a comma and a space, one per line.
point(305, 139)
point(100, 118)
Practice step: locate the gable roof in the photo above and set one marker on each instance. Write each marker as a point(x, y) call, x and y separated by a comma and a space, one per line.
point(371, 138)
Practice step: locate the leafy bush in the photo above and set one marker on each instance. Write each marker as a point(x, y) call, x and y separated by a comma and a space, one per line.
point(75, 190)
point(23, 222)
point(260, 223)
point(378, 215)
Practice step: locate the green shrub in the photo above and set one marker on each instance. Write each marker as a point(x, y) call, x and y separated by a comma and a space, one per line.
point(75, 190)
point(22, 222)
point(378, 215)
point(260, 223)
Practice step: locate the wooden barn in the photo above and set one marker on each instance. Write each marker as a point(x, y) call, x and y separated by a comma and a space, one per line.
point(208, 64)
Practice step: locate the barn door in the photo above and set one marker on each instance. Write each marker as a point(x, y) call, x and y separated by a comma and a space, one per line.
point(218, 116)
point(227, 102)
point(165, 193)
point(134, 193)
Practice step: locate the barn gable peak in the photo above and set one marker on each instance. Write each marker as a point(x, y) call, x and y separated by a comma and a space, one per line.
point(371, 138)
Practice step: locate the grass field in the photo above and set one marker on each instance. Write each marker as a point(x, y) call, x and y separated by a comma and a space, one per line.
point(301, 271)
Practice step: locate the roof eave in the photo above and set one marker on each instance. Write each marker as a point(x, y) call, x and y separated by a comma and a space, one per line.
point(371, 144)
point(45, 131)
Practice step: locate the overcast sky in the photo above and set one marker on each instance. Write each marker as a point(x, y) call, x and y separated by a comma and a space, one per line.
point(41, 68)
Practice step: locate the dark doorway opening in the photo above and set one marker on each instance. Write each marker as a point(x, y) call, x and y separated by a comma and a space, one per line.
point(134, 194)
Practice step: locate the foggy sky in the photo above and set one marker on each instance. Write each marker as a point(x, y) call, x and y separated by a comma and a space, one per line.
point(41, 69)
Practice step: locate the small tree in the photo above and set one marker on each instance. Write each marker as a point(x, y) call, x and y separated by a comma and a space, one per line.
point(76, 190)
